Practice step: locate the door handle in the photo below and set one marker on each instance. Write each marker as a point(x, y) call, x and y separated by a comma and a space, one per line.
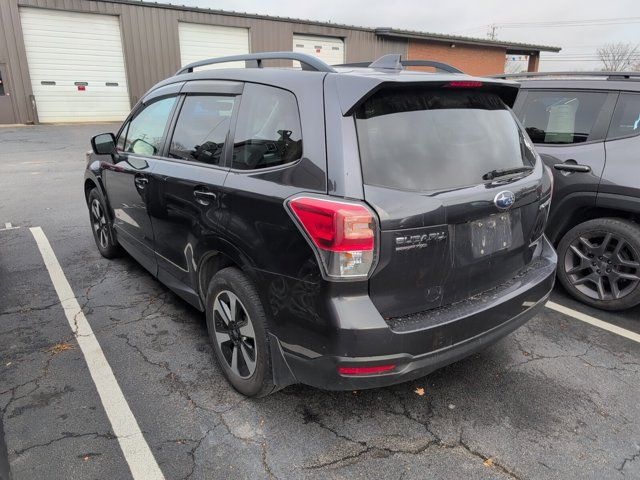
point(141, 182)
point(203, 196)
point(572, 167)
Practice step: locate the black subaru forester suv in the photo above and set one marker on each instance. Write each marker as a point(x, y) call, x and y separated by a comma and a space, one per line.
point(342, 227)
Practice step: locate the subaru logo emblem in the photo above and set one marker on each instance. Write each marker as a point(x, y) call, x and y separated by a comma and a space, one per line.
point(504, 200)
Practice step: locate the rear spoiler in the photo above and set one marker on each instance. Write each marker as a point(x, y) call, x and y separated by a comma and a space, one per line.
point(354, 90)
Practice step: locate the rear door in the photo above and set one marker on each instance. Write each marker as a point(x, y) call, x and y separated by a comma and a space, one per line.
point(185, 189)
point(447, 232)
point(568, 128)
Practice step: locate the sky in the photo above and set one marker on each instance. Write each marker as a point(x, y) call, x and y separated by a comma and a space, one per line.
point(473, 18)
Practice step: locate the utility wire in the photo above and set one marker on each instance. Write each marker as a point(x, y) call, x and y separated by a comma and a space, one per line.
point(576, 23)
point(558, 23)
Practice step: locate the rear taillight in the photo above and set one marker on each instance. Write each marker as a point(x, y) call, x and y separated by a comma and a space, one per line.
point(343, 234)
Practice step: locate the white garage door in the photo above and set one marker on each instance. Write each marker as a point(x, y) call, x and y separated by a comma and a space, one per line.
point(199, 42)
point(76, 65)
point(329, 49)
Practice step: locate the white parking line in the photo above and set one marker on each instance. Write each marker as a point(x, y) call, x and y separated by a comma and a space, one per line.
point(7, 226)
point(134, 447)
point(594, 321)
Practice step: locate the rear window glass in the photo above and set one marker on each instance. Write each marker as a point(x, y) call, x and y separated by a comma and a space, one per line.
point(435, 139)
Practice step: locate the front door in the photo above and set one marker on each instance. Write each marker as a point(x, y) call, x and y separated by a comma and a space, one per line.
point(126, 179)
point(186, 186)
point(568, 129)
point(7, 114)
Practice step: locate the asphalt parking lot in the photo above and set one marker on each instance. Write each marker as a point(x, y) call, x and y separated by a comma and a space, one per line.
point(558, 399)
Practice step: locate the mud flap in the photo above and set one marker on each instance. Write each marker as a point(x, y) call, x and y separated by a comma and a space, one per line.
point(282, 375)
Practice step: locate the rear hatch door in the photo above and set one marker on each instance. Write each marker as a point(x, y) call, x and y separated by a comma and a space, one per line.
point(457, 187)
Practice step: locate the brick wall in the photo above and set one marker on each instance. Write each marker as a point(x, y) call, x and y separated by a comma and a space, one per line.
point(474, 60)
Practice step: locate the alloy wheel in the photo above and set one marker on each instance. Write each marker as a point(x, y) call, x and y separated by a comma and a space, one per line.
point(602, 266)
point(234, 334)
point(99, 221)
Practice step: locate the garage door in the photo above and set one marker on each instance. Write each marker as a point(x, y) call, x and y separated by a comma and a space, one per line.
point(76, 65)
point(198, 42)
point(329, 49)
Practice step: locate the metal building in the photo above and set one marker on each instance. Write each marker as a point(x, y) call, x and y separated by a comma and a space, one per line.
point(91, 60)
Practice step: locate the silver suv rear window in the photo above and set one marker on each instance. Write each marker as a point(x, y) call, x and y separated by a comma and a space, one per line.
point(434, 139)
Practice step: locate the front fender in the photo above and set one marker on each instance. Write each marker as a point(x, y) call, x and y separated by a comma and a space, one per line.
point(93, 179)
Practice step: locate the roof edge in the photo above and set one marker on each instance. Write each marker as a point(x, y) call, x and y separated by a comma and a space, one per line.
point(436, 37)
point(233, 13)
point(520, 48)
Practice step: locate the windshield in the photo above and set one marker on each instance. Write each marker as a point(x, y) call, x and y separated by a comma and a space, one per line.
point(435, 139)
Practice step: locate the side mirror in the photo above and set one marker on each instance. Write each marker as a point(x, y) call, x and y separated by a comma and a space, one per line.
point(104, 144)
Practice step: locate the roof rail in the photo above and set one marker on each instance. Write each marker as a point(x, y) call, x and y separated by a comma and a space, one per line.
point(394, 62)
point(608, 75)
point(254, 60)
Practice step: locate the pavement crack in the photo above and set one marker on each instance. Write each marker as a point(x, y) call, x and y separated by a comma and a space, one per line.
point(337, 461)
point(485, 459)
point(265, 464)
point(311, 417)
point(630, 459)
point(308, 416)
point(29, 309)
point(193, 451)
point(65, 436)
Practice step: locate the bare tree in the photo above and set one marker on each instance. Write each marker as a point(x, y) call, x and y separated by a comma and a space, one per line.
point(617, 57)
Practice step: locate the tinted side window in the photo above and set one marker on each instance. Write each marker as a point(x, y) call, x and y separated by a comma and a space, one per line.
point(202, 128)
point(146, 129)
point(626, 118)
point(560, 117)
point(268, 131)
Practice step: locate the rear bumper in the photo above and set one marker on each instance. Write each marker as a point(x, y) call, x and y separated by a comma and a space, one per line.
point(419, 344)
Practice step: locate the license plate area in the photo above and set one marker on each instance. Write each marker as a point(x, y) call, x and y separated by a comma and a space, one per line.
point(483, 238)
point(491, 234)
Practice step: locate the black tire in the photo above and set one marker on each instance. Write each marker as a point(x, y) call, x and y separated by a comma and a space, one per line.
point(233, 337)
point(101, 227)
point(599, 263)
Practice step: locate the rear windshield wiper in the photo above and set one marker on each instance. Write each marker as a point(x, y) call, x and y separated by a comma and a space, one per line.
point(505, 171)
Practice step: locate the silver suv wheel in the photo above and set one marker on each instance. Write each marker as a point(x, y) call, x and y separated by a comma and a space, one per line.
point(234, 334)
